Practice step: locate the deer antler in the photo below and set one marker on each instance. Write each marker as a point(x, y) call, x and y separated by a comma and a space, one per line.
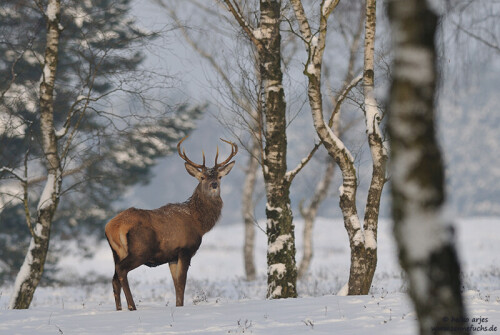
point(184, 157)
point(234, 151)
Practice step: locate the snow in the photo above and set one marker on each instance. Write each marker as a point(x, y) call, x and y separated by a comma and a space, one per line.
point(46, 197)
point(24, 272)
point(46, 72)
point(311, 69)
point(344, 291)
point(257, 33)
point(219, 301)
point(79, 15)
point(52, 10)
point(269, 208)
point(15, 94)
point(338, 142)
point(326, 4)
point(60, 133)
point(279, 243)
point(278, 268)
point(370, 241)
point(359, 237)
point(372, 116)
point(314, 41)
point(277, 291)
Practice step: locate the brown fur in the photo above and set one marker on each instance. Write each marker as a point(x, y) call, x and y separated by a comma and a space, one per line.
point(170, 234)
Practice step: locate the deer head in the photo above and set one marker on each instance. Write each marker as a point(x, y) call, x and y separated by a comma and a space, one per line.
point(209, 178)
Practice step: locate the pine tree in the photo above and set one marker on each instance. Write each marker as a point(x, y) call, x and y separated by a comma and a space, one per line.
point(112, 148)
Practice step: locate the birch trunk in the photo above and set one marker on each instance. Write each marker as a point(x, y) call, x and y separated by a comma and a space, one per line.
point(282, 271)
point(315, 46)
point(423, 235)
point(32, 269)
point(309, 214)
point(377, 149)
point(248, 211)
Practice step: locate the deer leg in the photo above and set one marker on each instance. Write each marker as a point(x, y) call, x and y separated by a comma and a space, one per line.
point(173, 272)
point(117, 290)
point(122, 277)
point(122, 269)
point(179, 275)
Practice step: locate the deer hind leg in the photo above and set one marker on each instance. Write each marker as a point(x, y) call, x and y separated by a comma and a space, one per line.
point(179, 275)
point(117, 290)
point(117, 286)
point(122, 269)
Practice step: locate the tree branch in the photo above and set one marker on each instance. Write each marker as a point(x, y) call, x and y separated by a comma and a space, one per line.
point(13, 173)
point(244, 24)
point(477, 37)
point(292, 173)
point(340, 99)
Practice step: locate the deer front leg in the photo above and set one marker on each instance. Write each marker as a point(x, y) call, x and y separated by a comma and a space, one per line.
point(173, 272)
point(179, 275)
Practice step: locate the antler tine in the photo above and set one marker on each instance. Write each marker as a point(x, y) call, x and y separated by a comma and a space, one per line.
point(184, 157)
point(216, 155)
point(234, 151)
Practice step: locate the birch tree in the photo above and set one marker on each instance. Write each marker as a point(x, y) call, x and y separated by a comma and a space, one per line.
point(94, 146)
point(362, 240)
point(240, 98)
point(309, 211)
point(423, 234)
point(32, 268)
point(280, 230)
point(377, 149)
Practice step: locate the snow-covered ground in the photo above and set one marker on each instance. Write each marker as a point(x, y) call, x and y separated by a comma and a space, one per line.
point(220, 301)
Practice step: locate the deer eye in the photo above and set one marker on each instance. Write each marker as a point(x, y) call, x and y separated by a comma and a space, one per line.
point(202, 178)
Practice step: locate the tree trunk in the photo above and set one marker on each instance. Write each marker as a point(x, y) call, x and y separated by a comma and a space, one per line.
point(424, 236)
point(32, 269)
point(336, 149)
point(377, 149)
point(282, 271)
point(309, 214)
point(248, 210)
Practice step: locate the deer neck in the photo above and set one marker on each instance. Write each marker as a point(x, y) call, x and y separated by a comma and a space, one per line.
point(208, 209)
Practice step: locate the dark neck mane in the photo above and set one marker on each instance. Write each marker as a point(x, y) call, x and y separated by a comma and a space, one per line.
point(208, 208)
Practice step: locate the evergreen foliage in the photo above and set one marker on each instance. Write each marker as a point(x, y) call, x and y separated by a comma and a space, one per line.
point(116, 144)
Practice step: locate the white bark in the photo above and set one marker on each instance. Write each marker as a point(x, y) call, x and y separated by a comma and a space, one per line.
point(32, 269)
point(377, 149)
point(309, 214)
point(424, 236)
point(248, 211)
point(267, 41)
point(315, 46)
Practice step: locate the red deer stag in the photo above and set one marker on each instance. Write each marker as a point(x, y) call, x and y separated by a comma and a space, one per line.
point(170, 234)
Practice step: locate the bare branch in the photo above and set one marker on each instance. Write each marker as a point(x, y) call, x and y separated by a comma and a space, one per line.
point(477, 37)
point(13, 173)
point(340, 99)
point(292, 173)
point(300, 14)
point(27, 213)
point(235, 10)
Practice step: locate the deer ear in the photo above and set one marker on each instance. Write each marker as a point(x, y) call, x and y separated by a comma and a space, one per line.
point(193, 171)
point(226, 169)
